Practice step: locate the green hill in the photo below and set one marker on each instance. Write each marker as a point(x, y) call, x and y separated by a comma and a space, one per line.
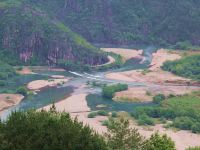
point(129, 21)
point(31, 36)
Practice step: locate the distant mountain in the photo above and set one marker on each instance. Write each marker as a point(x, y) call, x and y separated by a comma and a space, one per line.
point(31, 36)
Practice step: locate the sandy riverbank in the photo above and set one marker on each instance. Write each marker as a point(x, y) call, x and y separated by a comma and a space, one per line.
point(76, 105)
point(25, 70)
point(9, 100)
point(39, 84)
point(145, 94)
point(125, 53)
point(154, 74)
point(182, 139)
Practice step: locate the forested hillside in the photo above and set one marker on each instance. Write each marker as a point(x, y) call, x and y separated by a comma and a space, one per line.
point(129, 21)
point(31, 36)
point(44, 32)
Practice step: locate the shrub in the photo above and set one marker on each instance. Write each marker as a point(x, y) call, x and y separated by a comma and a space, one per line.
point(105, 123)
point(145, 120)
point(194, 148)
point(92, 115)
point(184, 123)
point(109, 91)
point(22, 90)
point(114, 114)
point(2, 83)
point(195, 128)
point(158, 98)
point(102, 113)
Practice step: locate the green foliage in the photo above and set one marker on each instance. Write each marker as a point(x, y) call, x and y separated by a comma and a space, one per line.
point(2, 83)
point(109, 91)
point(183, 111)
point(158, 98)
point(102, 113)
point(188, 67)
point(22, 90)
point(92, 115)
point(114, 114)
point(47, 131)
point(41, 39)
point(145, 120)
point(186, 45)
point(6, 71)
point(160, 142)
point(121, 136)
point(195, 148)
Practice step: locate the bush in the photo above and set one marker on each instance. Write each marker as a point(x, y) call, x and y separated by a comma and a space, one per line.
point(158, 98)
point(92, 115)
point(195, 128)
point(105, 123)
point(2, 83)
point(109, 91)
point(114, 114)
point(145, 120)
point(102, 113)
point(184, 123)
point(22, 90)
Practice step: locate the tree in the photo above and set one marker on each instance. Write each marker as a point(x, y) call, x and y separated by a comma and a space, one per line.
point(160, 142)
point(34, 130)
point(121, 137)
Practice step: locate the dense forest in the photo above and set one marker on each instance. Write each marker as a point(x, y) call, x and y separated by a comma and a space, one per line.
point(42, 32)
point(188, 67)
point(129, 21)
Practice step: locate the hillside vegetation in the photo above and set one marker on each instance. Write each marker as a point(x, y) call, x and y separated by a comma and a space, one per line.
point(188, 67)
point(183, 111)
point(129, 21)
point(31, 36)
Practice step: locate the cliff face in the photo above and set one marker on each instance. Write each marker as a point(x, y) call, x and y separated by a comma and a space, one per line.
point(31, 36)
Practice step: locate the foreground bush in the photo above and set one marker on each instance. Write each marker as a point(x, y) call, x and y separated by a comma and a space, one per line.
point(47, 131)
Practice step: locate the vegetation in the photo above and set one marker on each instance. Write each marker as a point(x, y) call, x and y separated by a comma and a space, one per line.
point(6, 71)
point(137, 22)
point(158, 98)
point(47, 130)
point(121, 136)
point(92, 115)
point(195, 148)
point(57, 131)
point(188, 67)
point(22, 90)
point(109, 91)
point(183, 111)
point(41, 39)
